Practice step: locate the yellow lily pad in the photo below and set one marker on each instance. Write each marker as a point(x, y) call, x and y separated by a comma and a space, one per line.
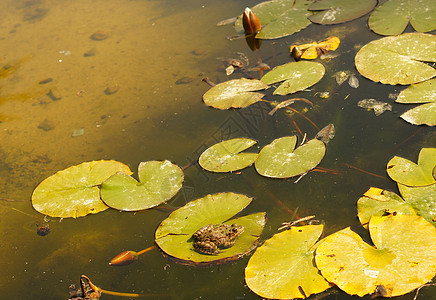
point(379, 202)
point(402, 259)
point(408, 173)
point(283, 268)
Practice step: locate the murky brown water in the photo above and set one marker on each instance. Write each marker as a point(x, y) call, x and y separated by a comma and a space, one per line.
point(153, 58)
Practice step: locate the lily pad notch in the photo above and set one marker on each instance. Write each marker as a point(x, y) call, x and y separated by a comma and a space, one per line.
point(158, 182)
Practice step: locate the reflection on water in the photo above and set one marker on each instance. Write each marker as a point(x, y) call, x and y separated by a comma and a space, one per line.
point(125, 78)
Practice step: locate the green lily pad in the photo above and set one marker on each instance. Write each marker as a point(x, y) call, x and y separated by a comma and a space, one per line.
point(279, 160)
point(422, 199)
point(398, 59)
point(226, 157)
point(284, 265)
point(297, 76)
point(378, 202)
point(74, 191)
point(174, 234)
point(159, 182)
point(424, 92)
point(234, 93)
point(392, 17)
point(421, 115)
point(402, 259)
point(340, 11)
point(408, 173)
point(279, 18)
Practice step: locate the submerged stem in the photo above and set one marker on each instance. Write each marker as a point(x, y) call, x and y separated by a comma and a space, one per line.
point(147, 249)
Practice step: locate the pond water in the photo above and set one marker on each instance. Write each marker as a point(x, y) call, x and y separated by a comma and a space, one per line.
point(134, 94)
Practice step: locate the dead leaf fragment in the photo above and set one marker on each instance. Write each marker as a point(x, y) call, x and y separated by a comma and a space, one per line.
point(326, 134)
point(313, 50)
point(378, 106)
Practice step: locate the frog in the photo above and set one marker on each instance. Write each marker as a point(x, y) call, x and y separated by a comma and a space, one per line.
point(211, 238)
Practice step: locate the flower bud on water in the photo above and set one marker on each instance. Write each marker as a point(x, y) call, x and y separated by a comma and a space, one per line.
point(124, 258)
point(250, 22)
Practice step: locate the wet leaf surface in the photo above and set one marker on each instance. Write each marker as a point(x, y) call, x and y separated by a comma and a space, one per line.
point(398, 59)
point(226, 157)
point(420, 93)
point(174, 234)
point(402, 259)
point(283, 266)
point(339, 11)
point(74, 191)
point(392, 17)
point(280, 160)
point(408, 173)
point(158, 182)
point(297, 76)
point(422, 199)
point(279, 18)
point(422, 115)
point(379, 202)
point(234, 93)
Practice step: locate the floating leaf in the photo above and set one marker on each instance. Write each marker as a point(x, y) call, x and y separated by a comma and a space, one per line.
point(234, 93)
point(402, 259)
point(408, 173)
point(353, 82)
point(283, 266)
point(398, 59)
point(279, 160)
point(422, 199)
point(297, 75)
point(279, 18)
point(420, 93)
point(226, 157)
point(313, 50)
point(174, 234)
point(378, 202)
point(326, 134)
point(392, 17)
point(74, 191)
point(342, 76)
point(159, 182)
point(340, 11)
point(423, 114)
